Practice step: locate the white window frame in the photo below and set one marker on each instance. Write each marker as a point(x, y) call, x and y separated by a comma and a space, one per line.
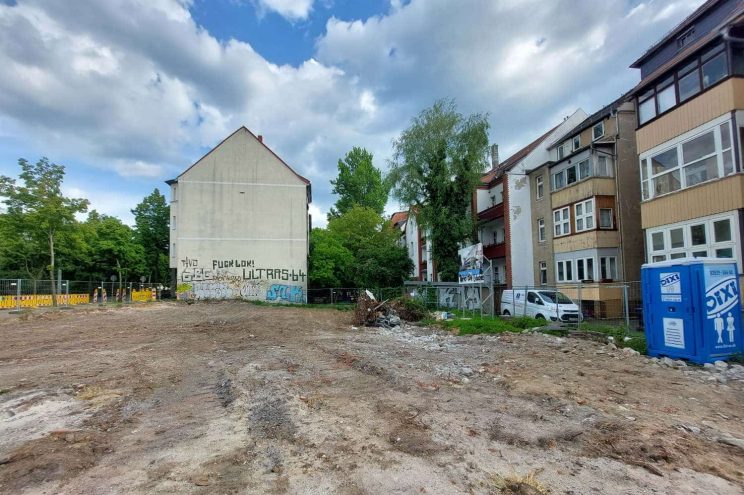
point(594, 127)
point(583, 264)
point(645, 159)
point(564, 266)
point(583, 217)
point(612, 219)
point(541, 230)
point(562, 222)
point(543, 272)
point(539, 187)
point(576, 142)
point(608, 262)
point(708, 249)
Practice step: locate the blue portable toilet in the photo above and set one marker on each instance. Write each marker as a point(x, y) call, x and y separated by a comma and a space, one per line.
point(692, 309)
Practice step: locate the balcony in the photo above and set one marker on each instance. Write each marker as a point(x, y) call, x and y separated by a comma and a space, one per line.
point(593, 186)
point(495, 211)
point(493, 251)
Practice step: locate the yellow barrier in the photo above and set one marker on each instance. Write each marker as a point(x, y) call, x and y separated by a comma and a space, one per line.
point(38, 301)
point(144, 295)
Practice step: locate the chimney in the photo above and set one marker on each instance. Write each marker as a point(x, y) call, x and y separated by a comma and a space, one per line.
point(494, 156)
point(260, 138)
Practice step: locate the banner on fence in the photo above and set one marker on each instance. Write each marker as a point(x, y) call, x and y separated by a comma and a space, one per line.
point(471, 264)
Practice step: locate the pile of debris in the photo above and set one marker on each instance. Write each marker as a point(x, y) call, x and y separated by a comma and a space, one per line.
point(371, 313)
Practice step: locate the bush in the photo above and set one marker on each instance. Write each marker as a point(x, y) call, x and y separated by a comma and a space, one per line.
point(409, 309)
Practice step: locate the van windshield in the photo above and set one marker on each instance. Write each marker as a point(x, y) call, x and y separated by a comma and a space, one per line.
point(552, 296)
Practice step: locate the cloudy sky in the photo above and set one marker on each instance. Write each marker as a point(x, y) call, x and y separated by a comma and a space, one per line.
point(128, 93)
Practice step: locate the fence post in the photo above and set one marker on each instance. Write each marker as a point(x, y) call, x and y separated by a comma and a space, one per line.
point(18, 294)
point(627, 312)
point(67, 293)
point(581, 310)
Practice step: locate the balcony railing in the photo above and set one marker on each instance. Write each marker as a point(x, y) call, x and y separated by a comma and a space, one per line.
point(495, 211)
point(494, 251)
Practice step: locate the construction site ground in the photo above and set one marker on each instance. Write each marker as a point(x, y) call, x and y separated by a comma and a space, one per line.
point(233, 397)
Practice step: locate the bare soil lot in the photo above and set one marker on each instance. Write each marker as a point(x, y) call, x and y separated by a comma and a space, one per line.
point(237, 398)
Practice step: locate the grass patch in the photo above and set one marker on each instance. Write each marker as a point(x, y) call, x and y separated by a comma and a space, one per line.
point(337, 306)
point(480, 324)
point(4, 391)
point(520, 485)
point(618, 333)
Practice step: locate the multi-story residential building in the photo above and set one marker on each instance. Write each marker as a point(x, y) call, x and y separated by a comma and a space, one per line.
point(503, 206)
point(690, 130)
point(585, 209)
point(415, 240)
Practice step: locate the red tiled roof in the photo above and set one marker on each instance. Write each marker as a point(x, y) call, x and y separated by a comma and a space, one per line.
point(515, 158)
point(399, 216)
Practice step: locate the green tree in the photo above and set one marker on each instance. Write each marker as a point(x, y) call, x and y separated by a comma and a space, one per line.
point(151, 218)
point(113, 246)
point(330, 262)
point(38, 210)
point(379, 261)
point(358, 183)
point(437, 162)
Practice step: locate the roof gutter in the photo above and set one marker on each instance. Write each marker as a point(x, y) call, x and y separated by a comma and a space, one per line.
point(726, 33)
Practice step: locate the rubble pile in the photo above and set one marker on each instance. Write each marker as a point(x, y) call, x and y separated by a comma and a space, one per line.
point(371, 313)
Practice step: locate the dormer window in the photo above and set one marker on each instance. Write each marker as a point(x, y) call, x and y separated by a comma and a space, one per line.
point(685, 38)
point(598, 130)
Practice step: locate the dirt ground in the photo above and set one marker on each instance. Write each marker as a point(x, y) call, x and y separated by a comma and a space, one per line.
point(238, 398)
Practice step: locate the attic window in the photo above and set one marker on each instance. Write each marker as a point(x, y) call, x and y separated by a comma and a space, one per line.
point(685, 38)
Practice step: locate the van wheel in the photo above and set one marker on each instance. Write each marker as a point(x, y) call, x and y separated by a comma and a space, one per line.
point(539, 317)
point(506, 312)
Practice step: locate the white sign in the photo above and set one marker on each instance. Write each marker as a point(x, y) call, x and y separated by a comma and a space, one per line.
point(671, 287)
point(674, 333)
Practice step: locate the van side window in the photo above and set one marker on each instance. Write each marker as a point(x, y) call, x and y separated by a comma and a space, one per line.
point(531, 297)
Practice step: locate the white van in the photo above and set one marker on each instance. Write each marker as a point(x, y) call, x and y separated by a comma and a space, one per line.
point(546, 304)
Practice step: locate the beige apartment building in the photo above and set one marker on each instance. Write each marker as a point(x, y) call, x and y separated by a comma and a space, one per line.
point(690, 130)
point(586, 213)
point(240, 225)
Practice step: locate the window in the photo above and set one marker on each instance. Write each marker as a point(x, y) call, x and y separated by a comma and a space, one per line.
point(173, 250)
point(576, 142)
point(697, 159)
point(584, 215)
point(559, 180)
point(688, 81)
point(603, 169)
point(541, 230)
point(564, 271)
point(585, 269)
point(585, 170)
point(699, 73)
point(646, 107)
point(570, 175)
point(598, 130)
point(539, 189)
point(562, 221)
point(685, 38)
point(605, 218)
point(708, 237)
point(608, 268)
point(561, 151)
point(666, 97)
point(543, 273)
point(714, 69)
point(173, 223)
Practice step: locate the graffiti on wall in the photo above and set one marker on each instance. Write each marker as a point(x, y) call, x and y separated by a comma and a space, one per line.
point(449, 297)
point(288, 293)
point(239, 279)
point(471, 297)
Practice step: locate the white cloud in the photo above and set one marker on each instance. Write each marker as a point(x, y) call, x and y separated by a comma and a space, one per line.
point(138, 87)
point(290, 9)
point(319, 217)
point(110, 201)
